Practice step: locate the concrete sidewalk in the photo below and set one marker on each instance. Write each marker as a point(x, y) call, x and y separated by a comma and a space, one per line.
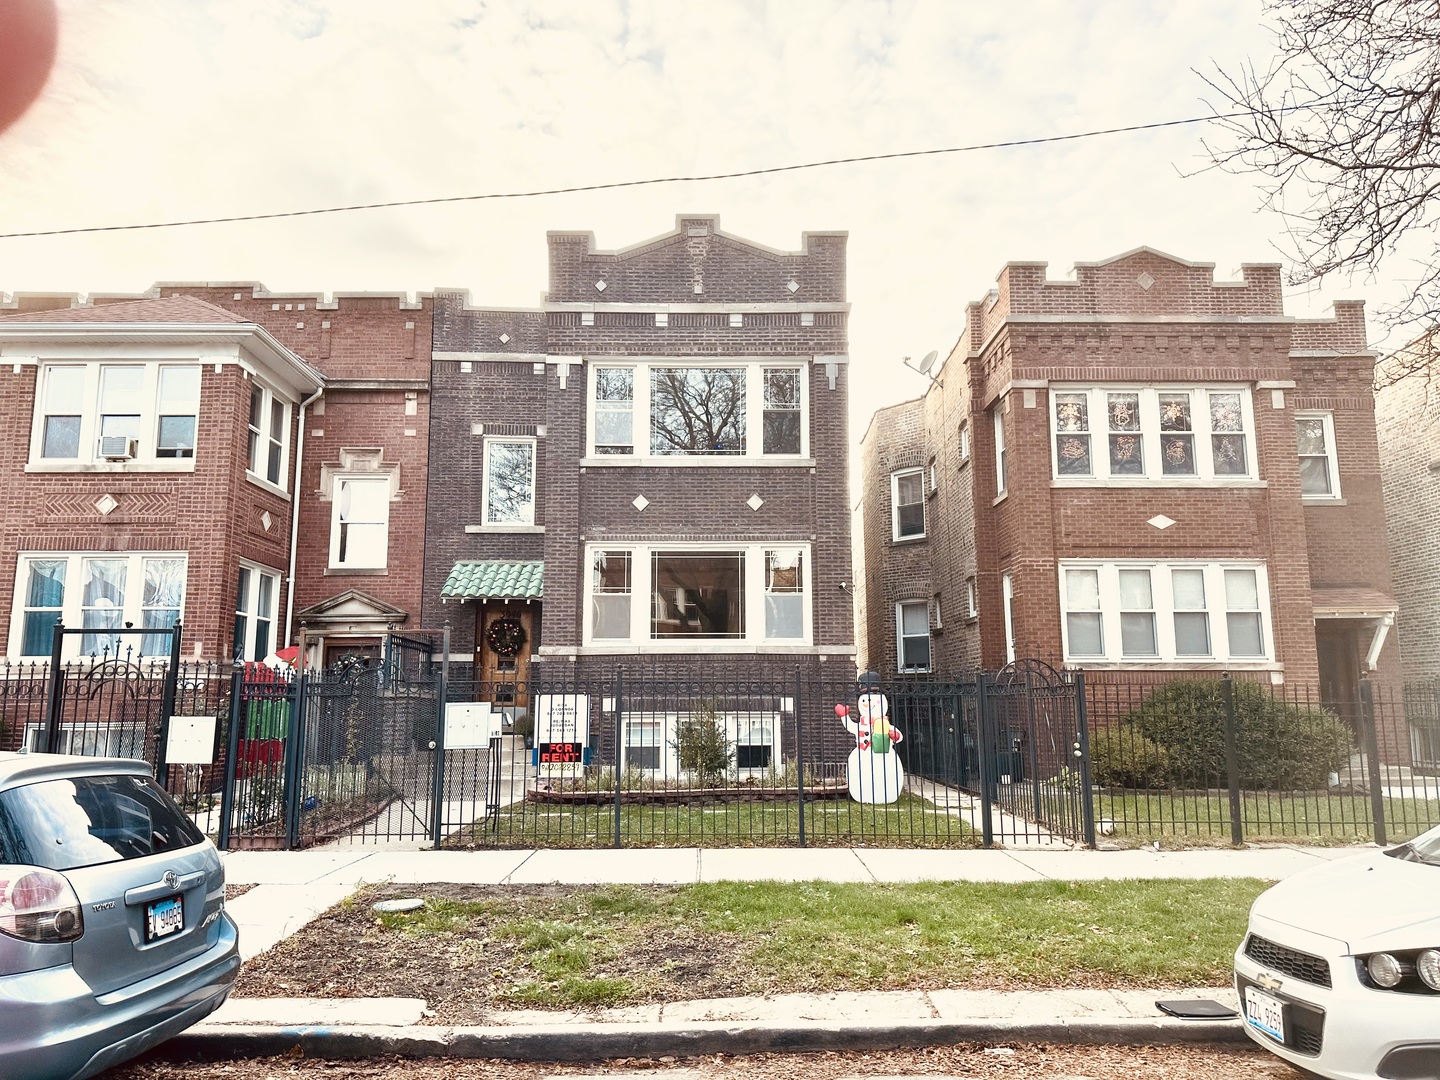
point(291, 888)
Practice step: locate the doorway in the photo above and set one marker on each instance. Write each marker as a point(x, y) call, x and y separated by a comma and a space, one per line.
point(504, 643)
point(1337, 648)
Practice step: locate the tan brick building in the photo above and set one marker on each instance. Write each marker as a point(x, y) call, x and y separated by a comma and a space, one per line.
point(1135, 469)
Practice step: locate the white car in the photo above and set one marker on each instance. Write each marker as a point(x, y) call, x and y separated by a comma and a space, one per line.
point(1339, 972)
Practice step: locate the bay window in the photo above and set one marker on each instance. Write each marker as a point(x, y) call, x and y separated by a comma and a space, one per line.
point(1120, 434)
point(257, 607)
point(269, 433)
point(689, 596)
point(907, 505)
point(1164, 612)
point(99, 593)
point(674, 409)
point(89, 413)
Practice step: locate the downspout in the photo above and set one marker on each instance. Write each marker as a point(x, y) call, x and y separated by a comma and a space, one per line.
point(295, 513)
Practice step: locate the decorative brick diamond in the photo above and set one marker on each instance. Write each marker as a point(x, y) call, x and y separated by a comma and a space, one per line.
point(793, 285)
point(600, 286)
point(266, 520)
point(1145, 280)
point(640, 502)
point(1160, 521)
point(106, 503)
point(754, 502)
point(504, 339)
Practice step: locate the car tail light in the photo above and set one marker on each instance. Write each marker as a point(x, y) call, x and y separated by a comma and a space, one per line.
point(38, 905)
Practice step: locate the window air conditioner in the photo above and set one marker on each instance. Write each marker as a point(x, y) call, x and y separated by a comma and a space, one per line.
point(117, 448)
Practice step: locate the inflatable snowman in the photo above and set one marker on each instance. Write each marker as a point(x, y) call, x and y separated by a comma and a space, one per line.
point(873, 768)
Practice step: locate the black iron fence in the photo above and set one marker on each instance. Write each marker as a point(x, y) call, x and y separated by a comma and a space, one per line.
point(406, 749)
point(708, 756)
point(1232, 760)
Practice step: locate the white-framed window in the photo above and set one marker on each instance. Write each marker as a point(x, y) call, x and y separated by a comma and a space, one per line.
point(962, 441)
point(1156, 612)
point(1001, 472)
point(508, 491)
point(907, 504)
point(651, 741)
point(698, 596)
point(88, 413)
point(1161, 434)
point(97, 592)
point(1315, 443)
point(972, 600)
point(360, 523)
point(912, 636)
point(269, 435)
point(684, 409)
point(257, 610)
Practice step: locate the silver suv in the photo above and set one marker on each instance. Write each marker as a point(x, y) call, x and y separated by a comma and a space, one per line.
point(113, 932)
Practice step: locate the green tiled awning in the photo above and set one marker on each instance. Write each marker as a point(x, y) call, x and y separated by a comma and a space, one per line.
point(495, 579)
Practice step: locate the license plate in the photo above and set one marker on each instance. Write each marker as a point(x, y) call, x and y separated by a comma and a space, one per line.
point(164, 917)
point(1265, 1012)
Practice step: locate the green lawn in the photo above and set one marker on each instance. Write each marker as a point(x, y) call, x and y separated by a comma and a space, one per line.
point(573, 947)
point(910, 822)
point(1308, 819)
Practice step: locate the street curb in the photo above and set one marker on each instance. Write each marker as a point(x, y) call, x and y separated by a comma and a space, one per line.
point(596, 1042)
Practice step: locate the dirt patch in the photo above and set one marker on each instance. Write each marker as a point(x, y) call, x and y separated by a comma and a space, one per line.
point(232, 891)
point(478, 966)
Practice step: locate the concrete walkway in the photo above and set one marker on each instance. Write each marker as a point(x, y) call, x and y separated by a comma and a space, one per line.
point(291, 888)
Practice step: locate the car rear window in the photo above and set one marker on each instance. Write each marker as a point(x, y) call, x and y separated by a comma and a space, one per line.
point(88, 820)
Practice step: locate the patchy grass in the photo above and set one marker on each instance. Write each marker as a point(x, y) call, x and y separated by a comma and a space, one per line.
point(474, 948)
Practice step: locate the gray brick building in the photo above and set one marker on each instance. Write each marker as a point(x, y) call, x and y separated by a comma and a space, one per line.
point(651, 468)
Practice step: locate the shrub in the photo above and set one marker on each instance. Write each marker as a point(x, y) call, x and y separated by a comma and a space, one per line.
point(1123, 757)
point(702, 747)
point(1280, 745)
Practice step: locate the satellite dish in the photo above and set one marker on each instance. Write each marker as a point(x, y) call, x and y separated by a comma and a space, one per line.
point(927, 363)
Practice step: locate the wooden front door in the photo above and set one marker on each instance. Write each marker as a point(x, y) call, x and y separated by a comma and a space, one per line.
point(504, 642)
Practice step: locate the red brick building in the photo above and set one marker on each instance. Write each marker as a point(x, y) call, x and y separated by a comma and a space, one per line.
point(357, 434)
point(149, 476)
point(1135, 469)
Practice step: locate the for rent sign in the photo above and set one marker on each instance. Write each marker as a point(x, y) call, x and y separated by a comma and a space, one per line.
point(562, 733)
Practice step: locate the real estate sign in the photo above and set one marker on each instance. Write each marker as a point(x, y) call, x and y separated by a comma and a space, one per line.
point(562, 734)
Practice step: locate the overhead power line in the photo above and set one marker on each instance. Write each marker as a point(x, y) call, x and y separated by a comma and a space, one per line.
point(624, 183)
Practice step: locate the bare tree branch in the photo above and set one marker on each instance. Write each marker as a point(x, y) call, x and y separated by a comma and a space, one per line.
point(1346, 124)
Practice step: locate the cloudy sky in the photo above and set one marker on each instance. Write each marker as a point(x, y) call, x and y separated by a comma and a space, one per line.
point(172, 109)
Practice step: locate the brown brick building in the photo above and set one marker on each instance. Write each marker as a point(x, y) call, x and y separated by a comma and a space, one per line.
point(651, 466)
point(1136, 469)
point(358, 434)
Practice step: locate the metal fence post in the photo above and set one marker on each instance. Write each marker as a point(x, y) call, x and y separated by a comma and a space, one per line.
point(619, 745)
point(1372, 759)
point(167, 706)
point(988, 781)
point(437, 780)
point(232, 752)
point(57, 690)
point(1082, 751)
point(293, 764)
point(799, 757)
point(1232, 760)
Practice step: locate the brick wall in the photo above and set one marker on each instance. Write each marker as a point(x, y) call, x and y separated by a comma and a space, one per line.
point(695, 267)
